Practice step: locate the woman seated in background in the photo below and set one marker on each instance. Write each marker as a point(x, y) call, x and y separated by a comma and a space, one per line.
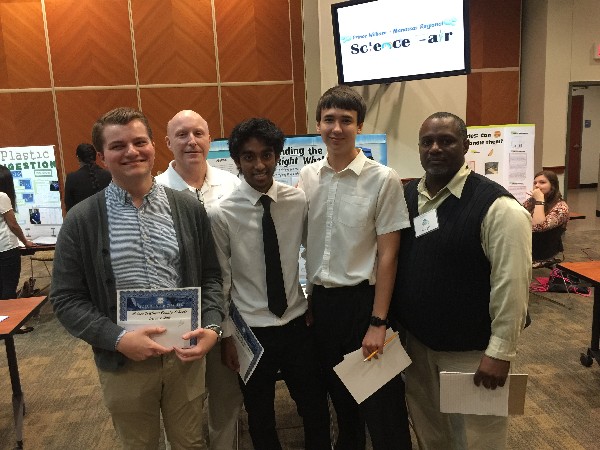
point(549, 217)
point(89, 179)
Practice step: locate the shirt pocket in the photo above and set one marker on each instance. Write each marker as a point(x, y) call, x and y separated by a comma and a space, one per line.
point(354, 211)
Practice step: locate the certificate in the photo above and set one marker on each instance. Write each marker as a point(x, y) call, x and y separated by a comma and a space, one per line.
point(177, 310)
point(249, 349)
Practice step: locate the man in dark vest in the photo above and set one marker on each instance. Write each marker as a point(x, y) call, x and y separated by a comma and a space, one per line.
point(462, 285)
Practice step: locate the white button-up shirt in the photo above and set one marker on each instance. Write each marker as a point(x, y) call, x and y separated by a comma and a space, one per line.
point(347, 211)
point(237, 230)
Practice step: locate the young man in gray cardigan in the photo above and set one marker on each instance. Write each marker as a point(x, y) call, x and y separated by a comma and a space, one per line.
point(137, 234)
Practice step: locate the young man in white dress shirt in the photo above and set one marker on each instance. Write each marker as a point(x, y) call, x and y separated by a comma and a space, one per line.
point(255, 145)
point(356, 211)
point(188, 138)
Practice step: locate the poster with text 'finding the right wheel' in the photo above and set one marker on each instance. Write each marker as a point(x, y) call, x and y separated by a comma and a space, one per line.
point(503, 153)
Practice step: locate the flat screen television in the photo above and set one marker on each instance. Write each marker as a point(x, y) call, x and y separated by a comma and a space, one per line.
point(383, 41)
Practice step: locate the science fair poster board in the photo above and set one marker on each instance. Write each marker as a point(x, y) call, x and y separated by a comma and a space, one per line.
point(39, 211)
point(504, 154)
point(299, 151)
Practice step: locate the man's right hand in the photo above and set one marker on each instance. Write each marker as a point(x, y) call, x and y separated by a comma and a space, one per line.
point(138, 344)
point(229, 356)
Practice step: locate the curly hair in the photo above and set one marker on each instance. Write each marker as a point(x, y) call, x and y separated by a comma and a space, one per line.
point(262, 129)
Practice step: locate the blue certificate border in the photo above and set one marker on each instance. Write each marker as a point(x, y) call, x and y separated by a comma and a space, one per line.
point(189, 297)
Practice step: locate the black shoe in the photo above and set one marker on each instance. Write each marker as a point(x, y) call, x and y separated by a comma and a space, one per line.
point(24, 330)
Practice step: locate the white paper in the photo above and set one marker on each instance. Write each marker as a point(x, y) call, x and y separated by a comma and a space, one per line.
point(3, 318)
point(364, 378)
point(45, 240)
point(458, 394)
point(178, 310)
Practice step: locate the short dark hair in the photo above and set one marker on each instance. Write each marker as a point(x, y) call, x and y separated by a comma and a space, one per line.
point(117, 116)
point(460, 124)
point(260, 128)
point(7, 185)
point(343, 97)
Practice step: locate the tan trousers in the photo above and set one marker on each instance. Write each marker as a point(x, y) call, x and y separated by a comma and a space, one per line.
point(224, 401)
point(436, 430)
point(137, 394)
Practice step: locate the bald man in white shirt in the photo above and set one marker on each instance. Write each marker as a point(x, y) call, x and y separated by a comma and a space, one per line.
point(188, 138)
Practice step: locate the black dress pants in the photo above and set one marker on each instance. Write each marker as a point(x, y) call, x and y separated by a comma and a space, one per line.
point(341, 322)
point(10, 271)
point(289, 349)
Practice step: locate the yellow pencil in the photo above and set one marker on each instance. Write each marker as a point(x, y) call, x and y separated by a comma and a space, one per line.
point(368, 358)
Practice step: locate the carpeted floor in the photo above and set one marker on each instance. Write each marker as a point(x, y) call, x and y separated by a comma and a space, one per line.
point(65, 410)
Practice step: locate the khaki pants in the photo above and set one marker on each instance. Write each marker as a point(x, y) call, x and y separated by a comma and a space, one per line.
point(136, 394)
point(436, 430)
point(224, 401)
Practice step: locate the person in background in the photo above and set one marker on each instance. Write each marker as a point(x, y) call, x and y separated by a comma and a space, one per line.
point(189, 172)
point(10, 235)
point(87, 180)
point(258, 230)
point(356, 210)
point(138, 234)
point(463, 289)
point(549, 218)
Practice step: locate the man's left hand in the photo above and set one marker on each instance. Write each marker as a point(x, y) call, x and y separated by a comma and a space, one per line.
point(206, 341)
point(491, 372)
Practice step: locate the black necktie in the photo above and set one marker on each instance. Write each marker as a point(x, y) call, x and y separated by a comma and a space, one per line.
point(275, 287)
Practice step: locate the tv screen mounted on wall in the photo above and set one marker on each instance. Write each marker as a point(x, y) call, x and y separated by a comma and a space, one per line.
point(383, 41)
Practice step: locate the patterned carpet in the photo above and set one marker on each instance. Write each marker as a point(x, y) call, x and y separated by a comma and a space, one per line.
point(562, 410)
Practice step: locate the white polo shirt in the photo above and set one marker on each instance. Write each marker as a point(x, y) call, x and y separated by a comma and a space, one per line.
point(217, 184)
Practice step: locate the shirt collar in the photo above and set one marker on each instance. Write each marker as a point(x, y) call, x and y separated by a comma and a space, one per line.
point(253, 195)
point(455, 185)
point(210, 179)
point(355, 166)
point(124, 197)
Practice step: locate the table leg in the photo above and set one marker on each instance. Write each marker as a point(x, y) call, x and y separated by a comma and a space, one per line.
point(596, 320)
point(17, 397)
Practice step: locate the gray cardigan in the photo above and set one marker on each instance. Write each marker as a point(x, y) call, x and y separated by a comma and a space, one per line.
point(83, 290)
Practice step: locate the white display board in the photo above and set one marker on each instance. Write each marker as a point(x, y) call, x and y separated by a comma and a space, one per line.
point(299, 151)
point(39, 211)
point(504, 154)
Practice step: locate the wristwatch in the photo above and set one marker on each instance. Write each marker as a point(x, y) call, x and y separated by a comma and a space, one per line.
point(539, 202)
point(377, 321)
point(217, 329)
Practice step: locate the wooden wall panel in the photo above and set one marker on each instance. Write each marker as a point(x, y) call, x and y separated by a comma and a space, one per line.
point(174, 41)
point(173, 49)
point(77, 112)
point(493, 98)
point(160, 105)
point(298, 66)
point(273, 102)
point(23, 55)
point(254, 40)
point(27, 118)
point(90, 42)
point(493, 85)
point(495, 33)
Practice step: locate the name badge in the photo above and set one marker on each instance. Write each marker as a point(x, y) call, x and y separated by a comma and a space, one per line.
point(426, 223)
